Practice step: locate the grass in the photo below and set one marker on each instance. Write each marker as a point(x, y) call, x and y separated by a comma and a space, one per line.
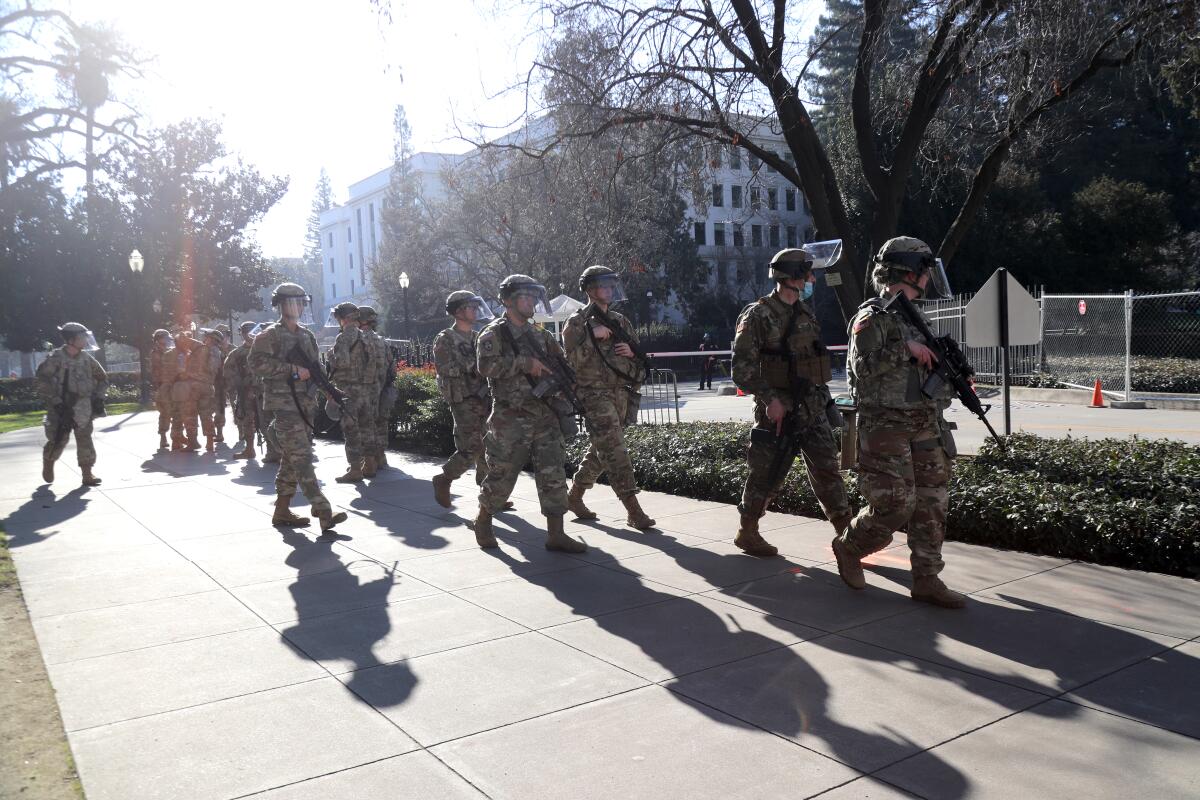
point(28, 419)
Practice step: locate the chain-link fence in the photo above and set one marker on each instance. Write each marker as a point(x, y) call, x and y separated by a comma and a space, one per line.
point(1085, 339)
point(1165, 343)
point(949, 318)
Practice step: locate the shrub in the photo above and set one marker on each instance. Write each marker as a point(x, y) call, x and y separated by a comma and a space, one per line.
point(20, 394)
point(421, 419)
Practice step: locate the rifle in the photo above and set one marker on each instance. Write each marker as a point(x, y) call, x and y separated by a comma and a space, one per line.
point(786, 444)
point(66, 416)
point(560, 380)
point(951, 367)
point(618, 335)
point(316, 374)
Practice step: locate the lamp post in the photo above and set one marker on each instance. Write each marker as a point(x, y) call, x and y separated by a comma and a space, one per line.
point(235, 271)
point(650, 305)
point(136, 265)
point(404, 286)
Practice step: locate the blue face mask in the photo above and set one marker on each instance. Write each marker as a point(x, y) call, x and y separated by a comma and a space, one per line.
point(807, 292)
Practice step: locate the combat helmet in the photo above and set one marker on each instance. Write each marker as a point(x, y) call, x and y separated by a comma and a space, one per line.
point(515, 283)
point(457, 299)
point(904, 255)
point(367, 315)
point(345, 311)
point(162, 333)
point(792, 263)
point(288, 290)
point(593, 274)
point(246, 327)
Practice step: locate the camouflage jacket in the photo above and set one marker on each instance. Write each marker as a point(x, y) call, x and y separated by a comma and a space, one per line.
point(202, 363)
point(80, 376)
point(381, 355)
point(507, 371)
point(351, 361)
point(884, 377)
point(458, 375)
point(238, 378)
point(761, 365)
point(268, 361)
point(162, 370)
point(595, 363)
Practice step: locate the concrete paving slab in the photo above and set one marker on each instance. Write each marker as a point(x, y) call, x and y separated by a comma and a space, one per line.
point(150, 554)
point(679, 636)
point(137, 683)
point(1163, 690)
point(868, 788)
point(646, 743)
point(374, 635)
point(1142, 600)
point(706, 567)
point(82, 539)
point(266, 554)
point(968, 568)
point(608, 542)
point(405, 535)
point(811, 693)
point(235, 747)
point(86, 634)
point(49, 505)
point(488, 685)
point(553, 598)
point(1057, 750)
point(466, 568)
point(115, 584)
point(1043, 651)
point(722, 522)
point(412, 776)
point(359, 584)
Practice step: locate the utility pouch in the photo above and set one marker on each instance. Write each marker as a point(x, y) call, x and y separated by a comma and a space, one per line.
point(849, 412)
point(765, 437)
point(98, 407)
point(631, 410)
point(567, 421)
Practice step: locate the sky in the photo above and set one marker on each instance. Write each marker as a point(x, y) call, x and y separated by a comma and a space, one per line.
point(302, 85)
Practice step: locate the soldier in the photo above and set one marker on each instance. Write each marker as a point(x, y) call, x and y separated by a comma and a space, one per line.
point(522, 426)
point(183, 404)
point(242, 389)
point(162, 373)
point(71, 383)
point(286, 395)
point(778, 357)
point(352, 364)
point(463, 388)
point(381, 394)
point(202, 363)
point(905, 448)
point(220, 352)
point(609, 375)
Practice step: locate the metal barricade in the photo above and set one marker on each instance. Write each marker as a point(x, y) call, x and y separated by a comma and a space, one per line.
point(660, 398)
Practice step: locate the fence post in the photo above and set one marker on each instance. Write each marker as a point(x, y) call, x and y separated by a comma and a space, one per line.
point(1128, 343)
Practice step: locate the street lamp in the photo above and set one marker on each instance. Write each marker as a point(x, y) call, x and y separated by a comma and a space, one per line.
point(235, 270)
point(650, 305)
point(404, 286)
point(136, 265)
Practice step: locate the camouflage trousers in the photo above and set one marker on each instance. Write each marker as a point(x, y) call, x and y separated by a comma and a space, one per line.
point(607, 453)
point(245, 415)
point(206, 406)
point(183, 412)
point(268, 432)
point(372, 445)
point(904, 477)
point(514, 437)
point(162, 401)
point(470, 424)
point(296, 467)
point(821, 460)
point(383, 422)
point(358, 424)
point(58, 433)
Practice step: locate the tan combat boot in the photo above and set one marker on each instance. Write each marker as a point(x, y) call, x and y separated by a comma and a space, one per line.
point(381, 459)
point(636, 517)
point(849, 566)
point(208, 444)
point(930, 589)
point(329, 519)
point(47, 470)
point(162, 441)
point(557, 539)
point(247, 453)
point(353, 475)
point(575, 503)
point(284, 516)
point(192, 444)
point(369, 470)
point(483, 530)
point(751, 541)
point(89, 478)
point(441, 489)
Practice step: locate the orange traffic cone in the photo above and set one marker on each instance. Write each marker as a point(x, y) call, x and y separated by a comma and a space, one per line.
point(1097, 397)
point(740, 393)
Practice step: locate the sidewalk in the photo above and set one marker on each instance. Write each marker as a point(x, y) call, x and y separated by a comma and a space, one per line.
point(197, 652)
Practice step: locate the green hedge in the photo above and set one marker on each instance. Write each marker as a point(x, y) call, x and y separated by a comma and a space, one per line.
point(1127, 503)
point(1149, 373)
point(421, 420)
point(20, 394)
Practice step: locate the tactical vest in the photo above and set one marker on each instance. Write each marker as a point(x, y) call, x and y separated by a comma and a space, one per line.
point(898, 388)
point(797, 355)
point(454, 348)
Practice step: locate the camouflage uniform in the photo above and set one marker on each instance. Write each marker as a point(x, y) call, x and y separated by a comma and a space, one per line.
point(466, 392)
point(220, 390)
point(241, 389)
point(201, 394)
point(75, 381)
point(379, 415)
point(761, 367)
point(352, 365)
point(521, 427)
point(162, 374)
point(293, 406)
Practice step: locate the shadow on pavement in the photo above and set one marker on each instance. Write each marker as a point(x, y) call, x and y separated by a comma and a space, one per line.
point(44, 509)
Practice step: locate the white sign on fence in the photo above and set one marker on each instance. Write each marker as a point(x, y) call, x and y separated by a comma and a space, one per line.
point(983, 315)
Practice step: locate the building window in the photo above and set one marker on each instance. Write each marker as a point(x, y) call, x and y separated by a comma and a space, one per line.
point(718, 195)
point(349, 234)
point(352, 286)
point(773, 232)
point(700, 234)
point(755, 199)
point(331, 238)
point(715, 157)
point(773, 199)
point(722, 273)
point(737, 196)
point(756, 235)
point(332, 290)
point(331, 265)
point(351, 257)
point(754, 163)
point(719, 234)
point(735, 158)
point(738, 239)
point(769, 167)
point(791, 235)
point(371, 222)
point(789, 199)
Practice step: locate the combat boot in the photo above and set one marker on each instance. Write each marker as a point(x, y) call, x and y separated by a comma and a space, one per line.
point(208, 444)
point(441, 489)
point(353, 475)
point(47, 470)
point(329, 519)
point(247, 453)
point(483, 529)
point(369, 470)
point(192, 444)
point(636, 517)
point(751, 541)
point(162, 441)
point(381, 459)
point(930, 589)
point(849, 566)
point(89, 479)
point(575, 503)
point(272, 459)
point(284, 516)
point(557, 539)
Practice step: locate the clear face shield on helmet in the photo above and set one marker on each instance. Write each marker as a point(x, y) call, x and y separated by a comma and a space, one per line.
point(166, 342)
point(531, 299)
point(300, 308)
point(824, 254)
point(85, 341)
point(608, 288)
point(483, 312)
point(937, 287)
point(254, 332)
